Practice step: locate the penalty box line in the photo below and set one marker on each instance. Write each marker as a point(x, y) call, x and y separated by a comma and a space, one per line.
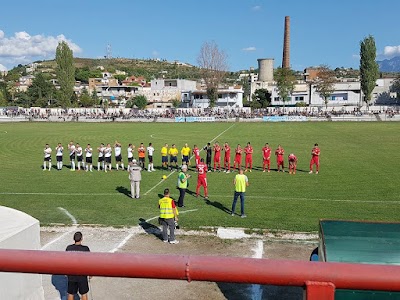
point(190, 158)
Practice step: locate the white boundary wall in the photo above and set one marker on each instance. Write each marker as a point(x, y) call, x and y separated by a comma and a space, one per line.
point(19, 231)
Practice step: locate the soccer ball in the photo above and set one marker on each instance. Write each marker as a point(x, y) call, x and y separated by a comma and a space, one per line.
point(164, 177)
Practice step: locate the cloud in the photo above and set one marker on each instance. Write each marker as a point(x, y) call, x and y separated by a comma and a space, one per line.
point(155, 53)
point(256, 8)
point(390, 51)
point(2, 68)
point(356, 56)
point(24, 48)
point(249, 49)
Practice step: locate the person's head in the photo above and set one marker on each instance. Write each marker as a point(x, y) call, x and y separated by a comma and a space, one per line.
point(184, 168)
point(141, 145)
point(108, 145)
point(88, 146)
point(166, 192)
point(78, 237)
point(71, 142)
point(130, 145)
point(47, 146)
point(226, 143)
point(248, 143)
point(77, 145)
point(238, 145)
point(195, 146)
point(315, 145)
point(150, 144)
point(173, 146)
point(166, 145)
point(279, 146)
point(266, 145)
point(216, 143)
point(186, 144)
point(240, 171)
point(101, 145)
point(134, 162)
point(208, 144)
point(59, 144)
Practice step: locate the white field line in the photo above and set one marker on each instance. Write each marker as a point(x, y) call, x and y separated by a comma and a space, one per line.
point(215, 196)
point(122, 243)
point(128, 237)
point(181, 212)
point(256, 291)
point(190, 159)
point(61, 194)
point(74, 222)
point(308, 199)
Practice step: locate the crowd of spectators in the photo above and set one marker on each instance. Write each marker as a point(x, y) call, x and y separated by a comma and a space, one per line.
point(220, 114)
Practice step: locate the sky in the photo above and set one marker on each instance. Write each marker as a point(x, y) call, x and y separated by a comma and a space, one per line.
point(322, 31)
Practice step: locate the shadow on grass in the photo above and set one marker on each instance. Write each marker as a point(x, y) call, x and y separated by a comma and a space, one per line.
point(123, 190)
point(218, 205)
point(150, 228)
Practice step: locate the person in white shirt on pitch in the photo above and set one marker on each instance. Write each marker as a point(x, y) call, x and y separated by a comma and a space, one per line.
point(47, 157)
point(79, 156)
point(89, 161)
point(71, 149)
point(118, 156)
point(150, 152)
point(107, 157)
point(130, 155)
point(100, 161)
point(59, 156)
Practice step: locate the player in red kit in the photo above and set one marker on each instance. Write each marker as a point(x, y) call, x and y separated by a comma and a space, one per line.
point(227, 158)
point(279, 152)
point(217, 157)
point(249, 157)
point(196, 153)
point(315, 152)
point(238, 157)
point(266, 150)
point(292, 163)
point(202, 178)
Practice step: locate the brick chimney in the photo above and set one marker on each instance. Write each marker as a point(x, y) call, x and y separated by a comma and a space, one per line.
point(286, 44)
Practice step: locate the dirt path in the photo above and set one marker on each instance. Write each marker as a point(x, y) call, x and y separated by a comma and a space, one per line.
point(145, 240)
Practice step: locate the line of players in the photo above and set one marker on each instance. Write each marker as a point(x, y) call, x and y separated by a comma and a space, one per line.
point(105, 153)
point(248, 155)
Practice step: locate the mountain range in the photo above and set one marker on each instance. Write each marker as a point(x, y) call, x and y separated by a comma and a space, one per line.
point(390, 65)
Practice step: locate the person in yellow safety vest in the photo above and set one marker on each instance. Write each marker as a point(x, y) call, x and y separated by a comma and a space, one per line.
point(168, 216)
point(183, 183)
point(185, 151)
point(240, 182)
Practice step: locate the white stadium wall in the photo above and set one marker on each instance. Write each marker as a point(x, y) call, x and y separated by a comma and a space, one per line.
point(19, 231)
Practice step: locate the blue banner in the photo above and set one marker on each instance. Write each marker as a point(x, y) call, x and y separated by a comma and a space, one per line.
point(194, 119)
point(284, 119)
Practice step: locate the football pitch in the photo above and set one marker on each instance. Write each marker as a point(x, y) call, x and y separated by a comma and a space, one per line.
point(359, 176)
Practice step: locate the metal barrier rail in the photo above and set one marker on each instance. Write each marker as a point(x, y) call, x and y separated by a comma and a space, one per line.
point(319, 279)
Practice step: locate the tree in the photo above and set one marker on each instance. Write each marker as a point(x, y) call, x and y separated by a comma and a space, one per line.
point(369, 69)
point(65, 71)
point(12, 89)
point(140, 101)
point(285, 81)
point(261, 98)
point(213, 64)
point(95, 98)
point(325, 83)
point(3, 99)
point(176, 102)
point(41, 88)
point(85, 99)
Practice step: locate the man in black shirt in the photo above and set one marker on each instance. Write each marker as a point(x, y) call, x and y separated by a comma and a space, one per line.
point(78, 283)
point(208, 149)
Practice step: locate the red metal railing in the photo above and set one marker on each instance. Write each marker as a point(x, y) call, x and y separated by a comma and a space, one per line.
point(320, 279)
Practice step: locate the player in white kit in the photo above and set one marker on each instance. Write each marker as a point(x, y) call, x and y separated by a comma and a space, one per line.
point(100, 161)
point(89, 158)
point(59, 156)
point(118, 156)
point(150, 152)
point(47, 157)
point(107, 157)
point(71, 149)
point(79, 156)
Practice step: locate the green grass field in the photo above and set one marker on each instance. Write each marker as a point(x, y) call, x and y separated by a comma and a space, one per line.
point(359, 177)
